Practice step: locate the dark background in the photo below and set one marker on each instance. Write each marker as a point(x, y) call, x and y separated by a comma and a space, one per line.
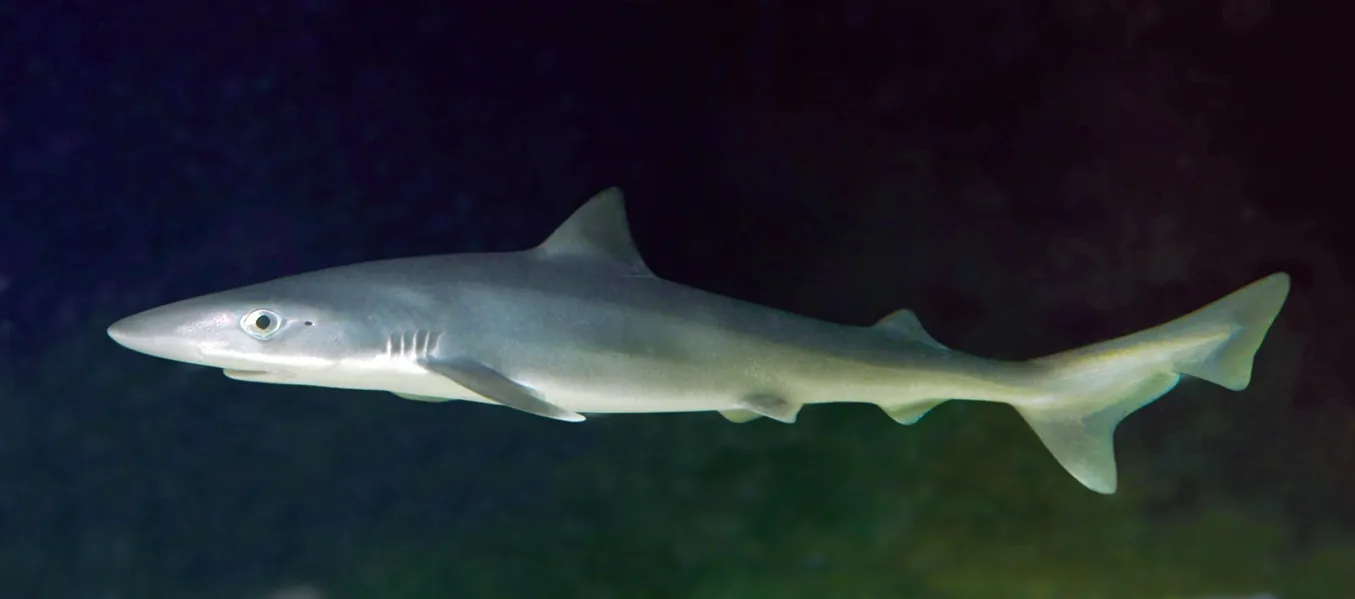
point(1027, 176)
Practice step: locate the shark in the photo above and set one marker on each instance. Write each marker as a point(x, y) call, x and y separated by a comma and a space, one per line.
point(579, 325)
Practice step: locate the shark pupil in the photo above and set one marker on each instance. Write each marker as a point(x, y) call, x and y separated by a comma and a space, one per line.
point(263, 322)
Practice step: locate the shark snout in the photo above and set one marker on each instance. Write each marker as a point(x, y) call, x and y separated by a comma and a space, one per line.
point(119, 333)
point(161, 333)
point(123, 331)
point(139, 333)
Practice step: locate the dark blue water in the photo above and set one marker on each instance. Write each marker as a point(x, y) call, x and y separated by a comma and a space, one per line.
point(1026, 178)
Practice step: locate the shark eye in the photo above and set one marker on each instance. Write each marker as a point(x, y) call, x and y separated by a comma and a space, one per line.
point(261, 324)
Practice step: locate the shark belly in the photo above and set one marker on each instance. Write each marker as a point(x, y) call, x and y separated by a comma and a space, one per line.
point(637, 381)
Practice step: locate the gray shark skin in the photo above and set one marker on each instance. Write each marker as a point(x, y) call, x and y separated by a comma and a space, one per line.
point(580, 325)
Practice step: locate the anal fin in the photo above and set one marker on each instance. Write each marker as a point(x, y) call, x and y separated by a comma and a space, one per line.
point(740, 416)
point(493, 385)
point(772, 406)
point(912, 412)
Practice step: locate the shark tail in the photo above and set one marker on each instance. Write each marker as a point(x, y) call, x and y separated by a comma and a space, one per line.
point(1093, 388)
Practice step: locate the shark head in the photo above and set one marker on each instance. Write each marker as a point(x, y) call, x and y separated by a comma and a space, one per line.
point(382, 324)
point(271, 332)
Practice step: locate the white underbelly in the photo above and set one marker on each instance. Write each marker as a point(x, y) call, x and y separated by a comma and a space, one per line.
point(600, 395)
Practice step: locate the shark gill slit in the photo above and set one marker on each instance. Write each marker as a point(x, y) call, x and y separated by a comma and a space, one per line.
point(417, 344)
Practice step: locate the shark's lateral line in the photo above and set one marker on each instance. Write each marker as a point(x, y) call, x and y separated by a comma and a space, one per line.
point(580, 325)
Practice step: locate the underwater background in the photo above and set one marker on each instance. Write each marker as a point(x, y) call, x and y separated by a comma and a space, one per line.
point(1026, 176)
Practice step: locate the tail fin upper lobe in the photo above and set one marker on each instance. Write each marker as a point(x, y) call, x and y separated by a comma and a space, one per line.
point(1093, 388)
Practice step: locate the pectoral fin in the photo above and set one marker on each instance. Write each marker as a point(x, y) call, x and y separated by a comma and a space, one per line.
point(493, 385)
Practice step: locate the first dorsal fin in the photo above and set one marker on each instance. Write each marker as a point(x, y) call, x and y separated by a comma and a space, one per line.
point(597, 231)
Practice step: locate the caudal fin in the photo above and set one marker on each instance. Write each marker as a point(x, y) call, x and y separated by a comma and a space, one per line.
point(1093, 388)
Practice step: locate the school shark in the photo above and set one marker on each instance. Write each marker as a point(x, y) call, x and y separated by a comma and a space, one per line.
point(580, 325)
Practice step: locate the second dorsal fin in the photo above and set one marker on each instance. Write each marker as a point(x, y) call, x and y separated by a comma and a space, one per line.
point(906, 324)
